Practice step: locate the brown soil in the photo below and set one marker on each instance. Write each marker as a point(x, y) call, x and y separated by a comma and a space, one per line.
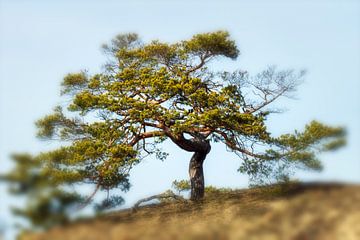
point(292, 212)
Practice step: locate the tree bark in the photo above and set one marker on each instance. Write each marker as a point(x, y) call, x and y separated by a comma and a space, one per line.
point(201, 147)
point(197, 174)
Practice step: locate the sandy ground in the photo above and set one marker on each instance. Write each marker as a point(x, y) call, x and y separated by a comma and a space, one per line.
point(296, 212)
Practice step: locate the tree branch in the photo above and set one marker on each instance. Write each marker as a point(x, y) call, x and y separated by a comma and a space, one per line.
point(165, 195)
point(267, 102)
point(201, 64)
point(145, 135)
point(88, 199)
point(233, 146)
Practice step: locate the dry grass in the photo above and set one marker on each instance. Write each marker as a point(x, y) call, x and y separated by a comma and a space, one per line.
point(295, 211)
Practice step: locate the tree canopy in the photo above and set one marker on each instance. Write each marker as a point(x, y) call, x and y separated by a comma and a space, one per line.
point(152, 92)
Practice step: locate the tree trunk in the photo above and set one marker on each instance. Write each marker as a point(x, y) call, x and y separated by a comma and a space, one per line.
point(201, 147)
point(197, 174)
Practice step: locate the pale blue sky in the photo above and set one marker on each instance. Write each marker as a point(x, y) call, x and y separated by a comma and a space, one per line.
point(41, 41)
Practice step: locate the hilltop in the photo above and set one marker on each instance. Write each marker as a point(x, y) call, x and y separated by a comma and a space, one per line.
point(296, 211)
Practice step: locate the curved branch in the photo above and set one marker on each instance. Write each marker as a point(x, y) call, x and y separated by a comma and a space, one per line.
point(89, 198)
point(203, 61)
point(196, 144)
point(145, 135)
point(165, 195)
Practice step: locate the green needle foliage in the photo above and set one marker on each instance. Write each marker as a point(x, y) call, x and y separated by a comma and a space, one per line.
point(181, 185)
point(152, 92)
point(47, 202)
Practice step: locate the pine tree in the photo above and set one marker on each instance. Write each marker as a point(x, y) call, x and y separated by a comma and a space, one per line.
point(155, 92)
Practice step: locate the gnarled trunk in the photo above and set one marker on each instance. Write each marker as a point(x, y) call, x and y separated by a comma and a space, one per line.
point(201, 147)
point(197, 174)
